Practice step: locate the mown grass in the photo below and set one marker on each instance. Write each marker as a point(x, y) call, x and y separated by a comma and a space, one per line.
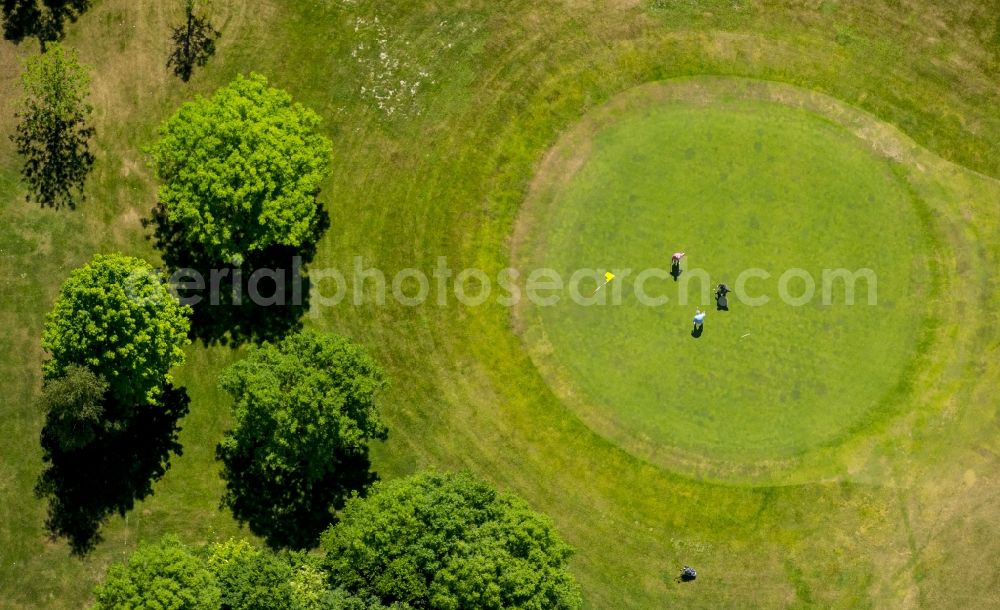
point(448, 180)
point(738, 184)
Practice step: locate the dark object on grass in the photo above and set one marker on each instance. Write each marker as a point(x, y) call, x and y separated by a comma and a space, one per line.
point(124, 453)
point(227, 314)
point(687, 574)
point(194, 43)
point(675, 269)
point(721, 302)
point(43, 19)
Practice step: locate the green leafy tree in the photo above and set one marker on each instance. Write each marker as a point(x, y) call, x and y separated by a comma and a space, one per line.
point(309, 590)
point(241, 171)
point(304, 411)
point(113, 334)
point(449, 541)
point(74, 407)
point(116, 317)
point(194, 42)
point(340, 599)
point(166, 576)
point(233, 575)
point(109, 465)
point(251, 578)
point(52, 133)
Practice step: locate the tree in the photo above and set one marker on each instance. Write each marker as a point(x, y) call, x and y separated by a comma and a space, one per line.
point(52, 133)
point(166, 576)
point(232, 575)
point(250, 578)
point(74, 407)
point(113, 334)
point(309, 590)
point(115, 316)
point(338, 599)
point(229, 314)
point(304, 411)
point(241, 171)
point(108, 463)
point(44, 19)
point(194, 42)
point(449, 541)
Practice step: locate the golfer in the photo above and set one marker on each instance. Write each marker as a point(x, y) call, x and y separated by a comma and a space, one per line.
point(721, 302)
point(699, 318)
point(675, 265)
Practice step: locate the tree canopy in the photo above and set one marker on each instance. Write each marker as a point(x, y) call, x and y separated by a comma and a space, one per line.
point(429, 541)
point(113, 335)
point(101, 457)
point(304, 410)
point(116, 317)
point(251, 578)
point(74, 407)
point(241, 170)
point(231, 575)
point(167, 576)
point(52, 133)
point(449, 541)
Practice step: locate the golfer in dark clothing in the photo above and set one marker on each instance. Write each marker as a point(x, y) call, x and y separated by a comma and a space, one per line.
point(721, 302)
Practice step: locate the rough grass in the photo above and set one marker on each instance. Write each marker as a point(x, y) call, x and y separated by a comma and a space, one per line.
point(911, 527)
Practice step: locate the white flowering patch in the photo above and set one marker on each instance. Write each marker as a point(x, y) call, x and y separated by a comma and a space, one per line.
point(390, 78)
point(393, 72)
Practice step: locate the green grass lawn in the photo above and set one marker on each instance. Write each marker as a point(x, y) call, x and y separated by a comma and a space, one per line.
point(902, 516)
point(740, 184)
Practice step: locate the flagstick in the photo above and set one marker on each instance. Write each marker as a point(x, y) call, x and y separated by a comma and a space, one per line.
point(599, 288)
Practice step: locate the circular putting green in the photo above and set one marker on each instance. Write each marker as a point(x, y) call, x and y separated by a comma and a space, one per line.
point(745, 186)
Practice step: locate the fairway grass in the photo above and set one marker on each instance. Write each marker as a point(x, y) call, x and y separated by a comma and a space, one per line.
point(900, 515)
point(738, 183)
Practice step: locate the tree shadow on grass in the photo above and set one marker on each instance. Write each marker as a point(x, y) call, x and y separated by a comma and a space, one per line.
point(286, 513)
point(86, 485)
point(44, 19)
point(261, 299)
point(194, 43)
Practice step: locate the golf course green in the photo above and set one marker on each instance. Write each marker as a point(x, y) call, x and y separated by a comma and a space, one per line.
point(744, 186)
